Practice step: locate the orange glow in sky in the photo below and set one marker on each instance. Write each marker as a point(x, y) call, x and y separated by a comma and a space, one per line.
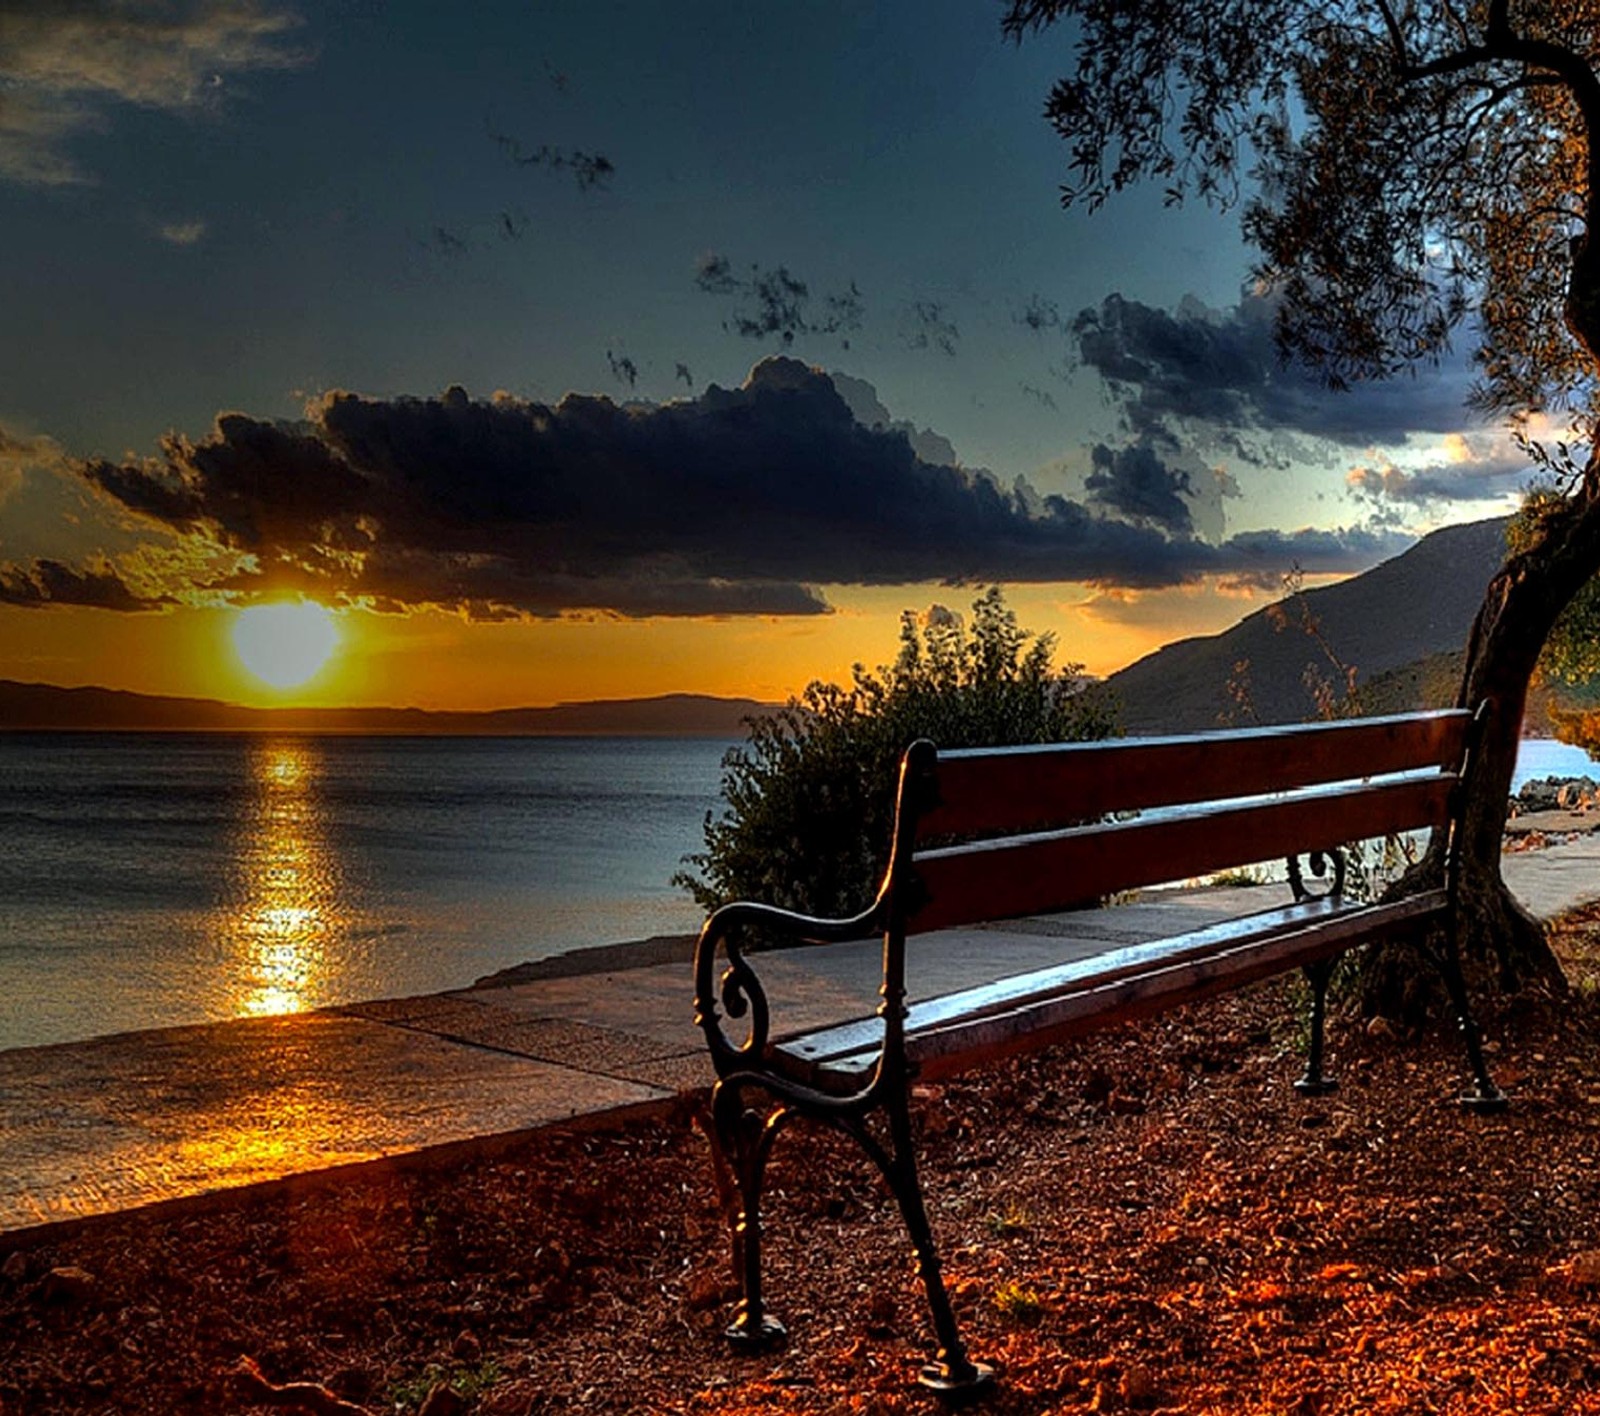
point(430, 659)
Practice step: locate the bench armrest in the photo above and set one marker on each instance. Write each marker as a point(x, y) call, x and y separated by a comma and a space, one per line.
point(738, 990)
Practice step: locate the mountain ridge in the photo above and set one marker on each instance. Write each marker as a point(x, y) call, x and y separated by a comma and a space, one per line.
point(37, 707)
point(1408, 609)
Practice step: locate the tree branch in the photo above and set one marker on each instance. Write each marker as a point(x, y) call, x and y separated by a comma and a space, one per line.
point(1499, 27)
point(1396, 38)
point(1502, 45)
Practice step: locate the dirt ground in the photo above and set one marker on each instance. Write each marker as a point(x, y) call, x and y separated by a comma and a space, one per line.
point(1149, 1220)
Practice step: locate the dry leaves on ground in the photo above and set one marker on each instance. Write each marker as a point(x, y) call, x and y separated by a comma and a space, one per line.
point(1146, 1221)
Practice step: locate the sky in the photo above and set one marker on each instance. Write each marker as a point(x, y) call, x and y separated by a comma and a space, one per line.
point(589, 350)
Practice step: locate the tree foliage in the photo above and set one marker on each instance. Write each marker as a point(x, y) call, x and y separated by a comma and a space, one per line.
point(1400, 163)
point(1571, 654)
point(810, 797)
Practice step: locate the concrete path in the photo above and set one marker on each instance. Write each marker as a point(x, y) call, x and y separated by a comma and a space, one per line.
point(173, 1115)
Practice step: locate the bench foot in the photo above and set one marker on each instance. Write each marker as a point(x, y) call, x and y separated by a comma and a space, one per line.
point(1486, 1102)
point(1310, 1085)
point(763, 1335)
point(957, 1384)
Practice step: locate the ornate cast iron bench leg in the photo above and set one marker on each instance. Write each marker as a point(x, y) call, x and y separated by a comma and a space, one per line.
point(1316, 1082)
point(745, 1141)
point(952, 1374)
point(1485, 1096)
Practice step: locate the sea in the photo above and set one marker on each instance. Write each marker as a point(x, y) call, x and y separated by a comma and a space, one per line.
point(151, 880)
point(148, 880)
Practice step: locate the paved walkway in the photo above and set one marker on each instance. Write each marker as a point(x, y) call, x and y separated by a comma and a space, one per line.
point(169, 1116)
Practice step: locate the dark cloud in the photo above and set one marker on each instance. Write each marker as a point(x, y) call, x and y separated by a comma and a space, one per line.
point(1194, 368)
point(927, 327)
point(1136, 484)
point(844, 313)
point(1039, 314)
point(589, 169)
point(735, 502)
point(774, 303)
point(623, 369)
point(713, 273)
point(1151, 484)
point(43, 583)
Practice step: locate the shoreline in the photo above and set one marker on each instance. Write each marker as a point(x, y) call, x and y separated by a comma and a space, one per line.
point(587, 959)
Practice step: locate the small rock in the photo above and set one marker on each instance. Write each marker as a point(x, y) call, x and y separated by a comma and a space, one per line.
point(707, 1290)
point(881, 1312)
point(1138, 1386)
point(15, 1268)
point(1382, 1027)
point(1585, 1271)
point(443, 1400)
point(67, 1287)
point(466, 1347)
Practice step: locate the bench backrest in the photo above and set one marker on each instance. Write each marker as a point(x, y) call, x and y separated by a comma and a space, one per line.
point(1208, 802)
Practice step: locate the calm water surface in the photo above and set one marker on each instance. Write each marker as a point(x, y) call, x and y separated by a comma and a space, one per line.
point(153, 880)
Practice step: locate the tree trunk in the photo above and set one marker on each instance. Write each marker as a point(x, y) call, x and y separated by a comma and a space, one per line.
point(1519, 608)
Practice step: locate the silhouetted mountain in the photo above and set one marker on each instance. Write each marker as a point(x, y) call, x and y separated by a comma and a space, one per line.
point(37, 707)
point(1390, 624)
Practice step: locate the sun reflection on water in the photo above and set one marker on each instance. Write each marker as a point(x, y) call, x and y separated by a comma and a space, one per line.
point(286, 925)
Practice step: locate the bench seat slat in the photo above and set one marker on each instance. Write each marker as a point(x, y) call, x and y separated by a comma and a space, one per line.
point(1009, 789)
point(867, 1032)
point(1060, 870)
point(947, 1033)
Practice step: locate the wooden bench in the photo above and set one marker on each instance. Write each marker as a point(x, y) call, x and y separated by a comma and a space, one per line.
point(989, 834)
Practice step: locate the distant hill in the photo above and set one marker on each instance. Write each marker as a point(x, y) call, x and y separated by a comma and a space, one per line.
point(37, 707)
point(1397, 624)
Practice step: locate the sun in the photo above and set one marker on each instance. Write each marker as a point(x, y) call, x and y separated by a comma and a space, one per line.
point(287, 643)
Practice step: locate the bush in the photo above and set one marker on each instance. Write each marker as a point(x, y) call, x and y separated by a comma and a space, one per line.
point(809, 799)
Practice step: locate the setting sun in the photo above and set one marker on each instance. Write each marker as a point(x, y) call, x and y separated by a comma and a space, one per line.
point(285, 644)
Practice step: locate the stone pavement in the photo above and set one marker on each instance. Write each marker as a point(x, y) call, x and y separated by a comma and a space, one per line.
point(172, 1116)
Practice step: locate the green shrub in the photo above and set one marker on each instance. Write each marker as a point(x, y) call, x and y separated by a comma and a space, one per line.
point(809, 799)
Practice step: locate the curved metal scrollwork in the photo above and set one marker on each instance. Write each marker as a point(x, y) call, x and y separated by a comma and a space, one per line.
point(1326, 868)
point(738, 990)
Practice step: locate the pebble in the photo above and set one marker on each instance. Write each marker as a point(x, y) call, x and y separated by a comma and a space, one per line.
point(67, 1286)
point(1138, 1386)
point(1585, 1271)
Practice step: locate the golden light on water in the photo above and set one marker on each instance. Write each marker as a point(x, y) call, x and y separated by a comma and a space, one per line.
point(287, 922)
point(285, 644)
